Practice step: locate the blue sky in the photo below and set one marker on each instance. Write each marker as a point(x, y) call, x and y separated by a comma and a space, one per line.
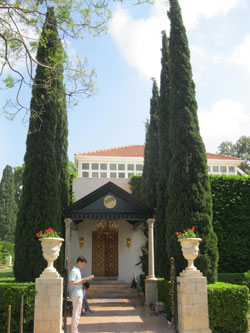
point(128, 56)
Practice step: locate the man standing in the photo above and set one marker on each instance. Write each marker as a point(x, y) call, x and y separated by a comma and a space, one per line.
point(76, 291)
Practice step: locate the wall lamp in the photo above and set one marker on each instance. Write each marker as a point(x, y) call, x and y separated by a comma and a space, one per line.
point(128, 242)
point(81, 241)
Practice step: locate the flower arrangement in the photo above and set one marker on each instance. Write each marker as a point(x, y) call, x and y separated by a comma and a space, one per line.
point(189, 233)
point(48, 233)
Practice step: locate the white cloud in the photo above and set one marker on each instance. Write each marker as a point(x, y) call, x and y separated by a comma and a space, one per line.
point(241, 55)
point(226, 120)
point(193, 10)
point(139, 40)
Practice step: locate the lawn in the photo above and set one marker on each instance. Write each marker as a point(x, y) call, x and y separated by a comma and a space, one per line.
point(6, 273)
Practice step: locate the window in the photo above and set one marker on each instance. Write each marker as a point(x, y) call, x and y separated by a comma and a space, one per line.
point(85, 166)
point(223, 169)
point(85, 174)
point(121, 166)
point(231, 169)
point(112, 174)
point(130, 174)
point(121, 175)
point(103, 174)
point(94, 174)
point(215, 168)
point(112, 166)
point(95, 166)
point(131, 167)
point(103, 166)
point(138, 167)
point(209, 168)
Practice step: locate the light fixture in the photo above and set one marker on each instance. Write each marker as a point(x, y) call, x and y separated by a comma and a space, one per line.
point(107, 227)
point(81, 241)
point(128, 242)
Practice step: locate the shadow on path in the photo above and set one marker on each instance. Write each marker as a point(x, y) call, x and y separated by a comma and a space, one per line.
point(121, 315)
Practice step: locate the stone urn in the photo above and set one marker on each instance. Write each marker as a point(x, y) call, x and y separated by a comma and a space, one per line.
point(51, 248)
point(190, 251)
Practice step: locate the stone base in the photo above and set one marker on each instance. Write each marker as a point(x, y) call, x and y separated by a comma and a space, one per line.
point(46, 274)
point(192, 303)
point(48, 305)
point(151, 291)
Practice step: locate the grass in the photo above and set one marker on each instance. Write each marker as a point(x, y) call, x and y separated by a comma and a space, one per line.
point(6, 273)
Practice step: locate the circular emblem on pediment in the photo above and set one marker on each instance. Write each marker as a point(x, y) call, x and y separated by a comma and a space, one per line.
point(109, 201)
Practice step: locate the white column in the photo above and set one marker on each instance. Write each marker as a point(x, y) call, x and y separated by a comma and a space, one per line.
point(68, 222)
point(151, 259)
point(151, 289)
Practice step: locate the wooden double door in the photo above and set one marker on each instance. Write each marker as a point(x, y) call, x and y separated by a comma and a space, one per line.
point(105, 254)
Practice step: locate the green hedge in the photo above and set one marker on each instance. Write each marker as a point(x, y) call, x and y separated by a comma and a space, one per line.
point(10, 294)
point(231, 221)
point(233, 278)
point(228, 306)
point(164, 288)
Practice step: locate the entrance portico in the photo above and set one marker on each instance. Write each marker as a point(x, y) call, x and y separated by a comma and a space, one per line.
point(111, 254)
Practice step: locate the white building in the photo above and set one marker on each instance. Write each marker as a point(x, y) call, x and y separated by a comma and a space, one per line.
point(122, 162)
point(102, 198)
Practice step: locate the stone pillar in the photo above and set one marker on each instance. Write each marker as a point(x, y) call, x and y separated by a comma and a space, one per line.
point(67, 241)
point(192, 303)
point(48, 305)
point(9, 260)
point(151, 290)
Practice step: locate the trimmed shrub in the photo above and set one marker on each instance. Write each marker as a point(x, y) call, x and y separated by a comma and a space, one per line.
point(10, 294)
point(233, 278)
point(228, 308)
point(231, 221)
point(164, 288)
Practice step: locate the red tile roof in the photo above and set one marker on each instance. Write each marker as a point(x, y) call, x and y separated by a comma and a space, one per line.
point(221, 157)
point(138, 151)
point(125, 151)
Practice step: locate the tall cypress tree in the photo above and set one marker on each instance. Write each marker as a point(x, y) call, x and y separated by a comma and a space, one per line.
point(43, 183)
point(151, 154)
point(189, 193)
point(162, 262)
point(8, 206)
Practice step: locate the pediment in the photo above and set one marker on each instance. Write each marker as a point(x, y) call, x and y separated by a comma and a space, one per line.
point(109, 202)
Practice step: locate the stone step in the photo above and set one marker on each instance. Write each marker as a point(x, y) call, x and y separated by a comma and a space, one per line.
point(110, 289)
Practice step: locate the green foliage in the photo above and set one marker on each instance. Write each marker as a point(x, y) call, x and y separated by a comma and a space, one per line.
point(10, 294)
point(189, 233)
point(21, 23)
point(164, 288)
point(233, 278)
point(18, 181)
point(189, 193)
point(246, 280)
point(135, 185)
point(228, 308)
point(162, 261)
point(142, 281)
point(6, 248)
point(231, 221)
point(45, 177)
point(8, 206)
point(151, 153)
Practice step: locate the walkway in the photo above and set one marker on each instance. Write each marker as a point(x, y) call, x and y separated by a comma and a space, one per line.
point(123, 316)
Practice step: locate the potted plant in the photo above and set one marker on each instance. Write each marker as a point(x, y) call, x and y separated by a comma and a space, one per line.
point(51, 243)
point(190, 248)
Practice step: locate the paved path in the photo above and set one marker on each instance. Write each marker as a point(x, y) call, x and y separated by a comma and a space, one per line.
point(123, 316)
